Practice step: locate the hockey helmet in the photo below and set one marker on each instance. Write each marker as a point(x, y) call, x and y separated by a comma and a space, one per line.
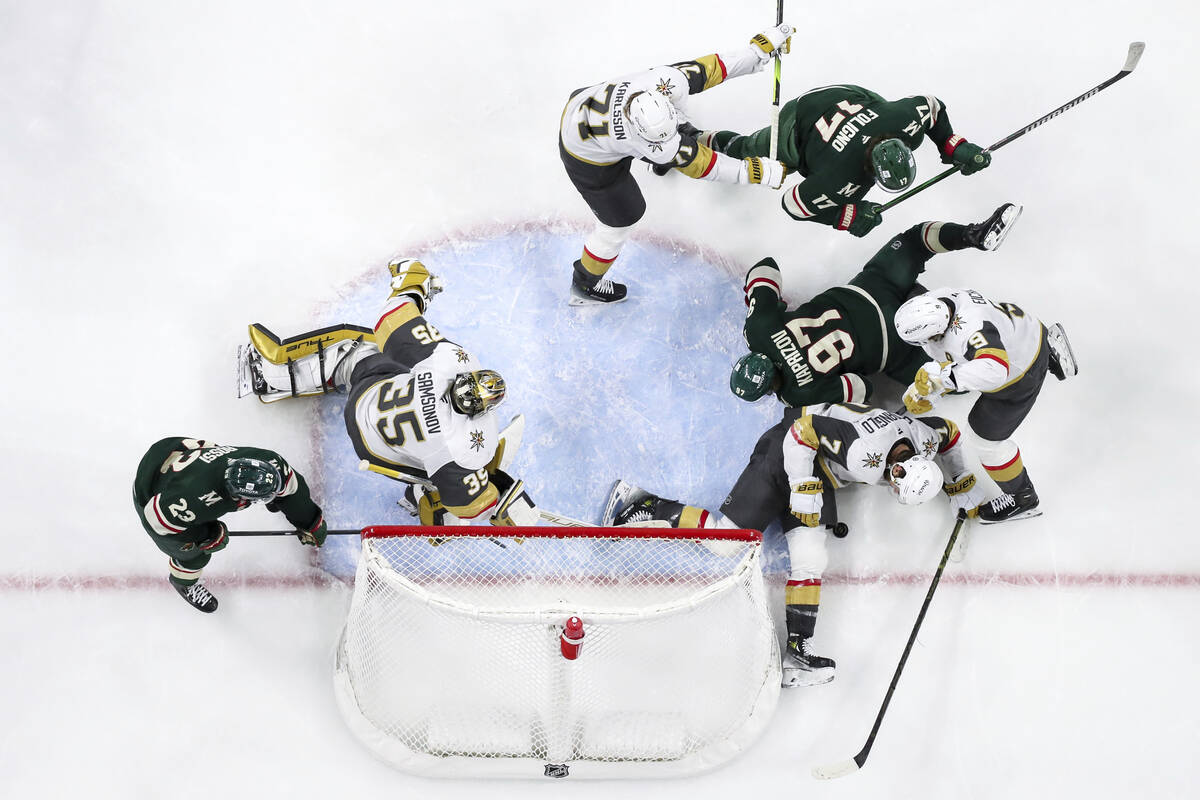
point(752, 377)
point(252, 479)
point(893, 165)
point(652, 117)
point(921, 318)
point(915, 481)
point(475, 392)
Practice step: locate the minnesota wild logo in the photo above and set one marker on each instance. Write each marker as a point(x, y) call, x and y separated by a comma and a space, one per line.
point(462, 356)
point(476, 440)
point(665, 87)
point(873, 460)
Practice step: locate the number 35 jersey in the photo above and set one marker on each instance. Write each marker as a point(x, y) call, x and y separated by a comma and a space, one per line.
point(399, 413)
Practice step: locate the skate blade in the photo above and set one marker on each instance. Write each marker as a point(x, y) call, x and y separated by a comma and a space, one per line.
point(1060, 345)
point(797, 678)
point(578, 298)
point(1034, 512)
point(996, 237)
point(617, 496)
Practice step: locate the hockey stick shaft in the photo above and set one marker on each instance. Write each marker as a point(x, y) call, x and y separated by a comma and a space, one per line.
point(775, 102)
point(345, 532)
point(1131, 61)
point(548, 516)
point(850, 765)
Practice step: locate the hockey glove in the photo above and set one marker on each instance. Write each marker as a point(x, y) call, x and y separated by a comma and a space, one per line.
point(805, 502)
point(916, 403)
point(316, 533)
point(414, 279)
point(859, 219)
point(968, 157)
point(765, 171)
point(218, 540)
point(777, 38)
point(515, 508)
point(965, 495)
point(935, 379)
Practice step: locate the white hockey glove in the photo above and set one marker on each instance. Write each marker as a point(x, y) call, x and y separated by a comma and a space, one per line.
point(935, 378)
point(916, 403)
point(515, 508)
point(413, 278)
point(805, 502)
point(770, 40)
point(765, 171)
point(965, 494)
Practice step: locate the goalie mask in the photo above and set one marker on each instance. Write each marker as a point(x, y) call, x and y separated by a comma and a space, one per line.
point(252, 479)
point(473, 393)
point(893, 165)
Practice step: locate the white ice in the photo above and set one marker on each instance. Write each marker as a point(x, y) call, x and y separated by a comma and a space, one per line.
point(174, 171)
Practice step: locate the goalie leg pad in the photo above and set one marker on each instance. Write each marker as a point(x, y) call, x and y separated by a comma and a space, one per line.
point(317, 362)
point(515, 508)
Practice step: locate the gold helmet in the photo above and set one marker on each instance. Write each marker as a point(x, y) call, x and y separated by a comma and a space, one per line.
point(475, 392)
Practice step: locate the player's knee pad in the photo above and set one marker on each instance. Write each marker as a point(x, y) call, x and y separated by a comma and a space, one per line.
point(994, 453)
point(605, 242)
point(806, 553)
point(317, 362)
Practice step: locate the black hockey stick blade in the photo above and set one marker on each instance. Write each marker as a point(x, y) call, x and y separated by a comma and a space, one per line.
point(1132, 57)
point(330, 532)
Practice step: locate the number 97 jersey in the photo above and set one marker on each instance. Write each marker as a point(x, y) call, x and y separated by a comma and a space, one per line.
point(401, 417)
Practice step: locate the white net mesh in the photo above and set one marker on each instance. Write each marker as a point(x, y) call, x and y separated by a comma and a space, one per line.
point(450, 662)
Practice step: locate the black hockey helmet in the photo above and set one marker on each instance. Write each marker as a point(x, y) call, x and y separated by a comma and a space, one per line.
point(252, 479)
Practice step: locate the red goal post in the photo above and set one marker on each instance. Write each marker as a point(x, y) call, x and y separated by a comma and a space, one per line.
point(458, 657)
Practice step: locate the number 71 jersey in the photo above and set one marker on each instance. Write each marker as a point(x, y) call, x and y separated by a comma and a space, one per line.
point(402, 417)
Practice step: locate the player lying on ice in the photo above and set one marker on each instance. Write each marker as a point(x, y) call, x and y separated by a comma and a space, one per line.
point(421, 409)
point(640, 115)
point(824, 350)
point(791, 477)
point(843, 140)
point(1003, 353)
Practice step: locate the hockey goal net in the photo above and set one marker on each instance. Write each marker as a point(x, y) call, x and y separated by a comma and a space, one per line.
point(454, 661)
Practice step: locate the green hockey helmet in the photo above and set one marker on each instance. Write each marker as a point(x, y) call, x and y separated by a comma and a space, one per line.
point(476, 392)
point(752, 377)
point(893, 165)
point(252, 479)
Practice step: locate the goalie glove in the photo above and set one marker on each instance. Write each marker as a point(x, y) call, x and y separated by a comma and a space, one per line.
point(515, 508)
point(765, 172)
point(965, 494)
point(411, 277)
point(773, 39)
point(806, 501)
point(314, 535)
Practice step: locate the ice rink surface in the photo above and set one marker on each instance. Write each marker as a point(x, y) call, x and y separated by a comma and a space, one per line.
point(174, 171)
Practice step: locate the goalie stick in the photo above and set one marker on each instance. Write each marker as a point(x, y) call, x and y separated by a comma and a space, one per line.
point(841, 768)
point(1131, 60)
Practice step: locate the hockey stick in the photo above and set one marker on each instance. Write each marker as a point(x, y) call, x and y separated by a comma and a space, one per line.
point(775, 102)
point(548, 516)
point(1131, 61)
point(841, 768)
point(346, 532)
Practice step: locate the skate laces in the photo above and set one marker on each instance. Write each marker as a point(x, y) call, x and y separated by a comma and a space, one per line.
point(1004, 501)
point(604, 286)
point(199, 593)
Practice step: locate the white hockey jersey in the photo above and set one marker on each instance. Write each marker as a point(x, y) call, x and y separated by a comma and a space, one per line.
point(593, 128)
point(849, 443)
point(992, 345)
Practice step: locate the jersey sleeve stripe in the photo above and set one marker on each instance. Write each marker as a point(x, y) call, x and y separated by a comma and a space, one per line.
point(290, 484)
point(158, 520)
point(999, 356)
point(712, 162)
point(597, 258)
point(950, 444)
point(798, 204)
point(800, 438)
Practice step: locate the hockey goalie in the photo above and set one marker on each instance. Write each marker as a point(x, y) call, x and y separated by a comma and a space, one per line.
point(420, 408)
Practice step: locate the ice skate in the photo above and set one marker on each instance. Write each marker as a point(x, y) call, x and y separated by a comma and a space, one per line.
point(1062, 357)
point(991, 233)
point(197, 596)
point(588, 289)
point(1008, 507)
point(802, 668)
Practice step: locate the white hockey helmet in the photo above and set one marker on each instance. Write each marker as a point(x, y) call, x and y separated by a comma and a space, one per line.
point(652, 117)
point(915, 481)
point(921, 318)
